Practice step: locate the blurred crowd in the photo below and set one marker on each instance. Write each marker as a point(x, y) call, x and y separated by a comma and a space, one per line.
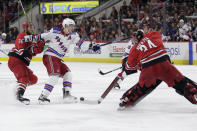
point(171, 21)
point(173, 18)
point(9, 10)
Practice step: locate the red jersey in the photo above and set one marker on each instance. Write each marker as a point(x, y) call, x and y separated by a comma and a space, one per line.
point(25, 51)
point(148, 51)
point(18, 43)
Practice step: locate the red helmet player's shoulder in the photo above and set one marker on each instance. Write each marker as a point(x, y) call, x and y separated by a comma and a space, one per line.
point(20, 36)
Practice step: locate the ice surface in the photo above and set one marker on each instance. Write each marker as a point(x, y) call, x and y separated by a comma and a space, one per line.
point(162, 110)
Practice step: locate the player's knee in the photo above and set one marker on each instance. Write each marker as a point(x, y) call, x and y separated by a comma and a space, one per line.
point(33, 80)
point(53, 79)
point(67, 76)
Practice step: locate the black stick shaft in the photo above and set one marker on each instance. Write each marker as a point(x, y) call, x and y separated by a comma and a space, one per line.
point(104, 73)
point(112, 42)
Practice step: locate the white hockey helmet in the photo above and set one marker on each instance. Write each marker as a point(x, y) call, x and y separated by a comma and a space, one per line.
point(3, 34)
point(67, 22)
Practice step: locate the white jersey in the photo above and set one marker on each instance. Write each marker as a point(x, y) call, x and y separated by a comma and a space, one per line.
point(184, 32)
point(127, 50)
point(59, 43)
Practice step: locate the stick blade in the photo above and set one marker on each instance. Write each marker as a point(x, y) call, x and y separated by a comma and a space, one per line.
point(100, 72)
point(90, 102)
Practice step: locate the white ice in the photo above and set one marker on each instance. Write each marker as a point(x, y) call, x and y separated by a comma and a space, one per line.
point(162, 110)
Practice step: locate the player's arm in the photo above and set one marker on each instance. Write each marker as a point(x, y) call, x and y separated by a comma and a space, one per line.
point(84, 45)
point(34, 49)
point(36, 38)
point(130, 63)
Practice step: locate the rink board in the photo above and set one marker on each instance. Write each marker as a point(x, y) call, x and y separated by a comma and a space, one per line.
point(181, 53)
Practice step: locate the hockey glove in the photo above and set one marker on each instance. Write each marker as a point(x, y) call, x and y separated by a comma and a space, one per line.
point(95, 47)
point(128, 72)
point(36, 48)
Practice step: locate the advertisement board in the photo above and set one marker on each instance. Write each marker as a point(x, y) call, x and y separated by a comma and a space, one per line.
point(179, 53)
point(116, 50)
point(177, 50)
point(194, 44)
point(67, 7)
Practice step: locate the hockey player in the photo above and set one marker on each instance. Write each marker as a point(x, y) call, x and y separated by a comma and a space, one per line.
point(60, 39)
point(19, 60)
point(149, 56)
point(122, 75)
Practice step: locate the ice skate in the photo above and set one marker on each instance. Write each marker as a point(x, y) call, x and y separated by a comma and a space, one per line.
point(19, 96)
point(68, 98)
point(43, 100)
point(117, 86)
point(121, 107)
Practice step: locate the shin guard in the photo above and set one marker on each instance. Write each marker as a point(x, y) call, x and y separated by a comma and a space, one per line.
point(136, 94)
point(187, 88)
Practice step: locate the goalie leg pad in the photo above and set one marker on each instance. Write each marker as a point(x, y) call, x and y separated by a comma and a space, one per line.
point(132, 96)
point(187, 88)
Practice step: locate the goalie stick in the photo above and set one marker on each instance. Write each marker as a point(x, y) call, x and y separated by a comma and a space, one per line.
point(104, 73)
point(98, 101)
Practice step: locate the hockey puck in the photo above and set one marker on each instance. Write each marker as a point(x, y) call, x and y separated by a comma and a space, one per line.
point(81, 98)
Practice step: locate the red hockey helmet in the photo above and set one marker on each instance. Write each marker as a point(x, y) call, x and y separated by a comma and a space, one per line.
point(26, 25)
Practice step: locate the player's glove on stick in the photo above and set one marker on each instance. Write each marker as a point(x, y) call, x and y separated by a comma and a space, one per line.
point(128, 72)
point(95, 47)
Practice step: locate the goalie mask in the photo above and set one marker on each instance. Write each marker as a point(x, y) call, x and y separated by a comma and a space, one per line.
point(139, 35)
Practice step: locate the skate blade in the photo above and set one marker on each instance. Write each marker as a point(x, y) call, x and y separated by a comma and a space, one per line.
point(68, 100)
point(43, 102)
point(116, 88)
point(24, 102)
point(121, 108)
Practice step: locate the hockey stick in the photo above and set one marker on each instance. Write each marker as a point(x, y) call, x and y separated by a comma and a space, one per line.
point(98, 101)
point(104, 73)
point(26, 16)
point(115, 41)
